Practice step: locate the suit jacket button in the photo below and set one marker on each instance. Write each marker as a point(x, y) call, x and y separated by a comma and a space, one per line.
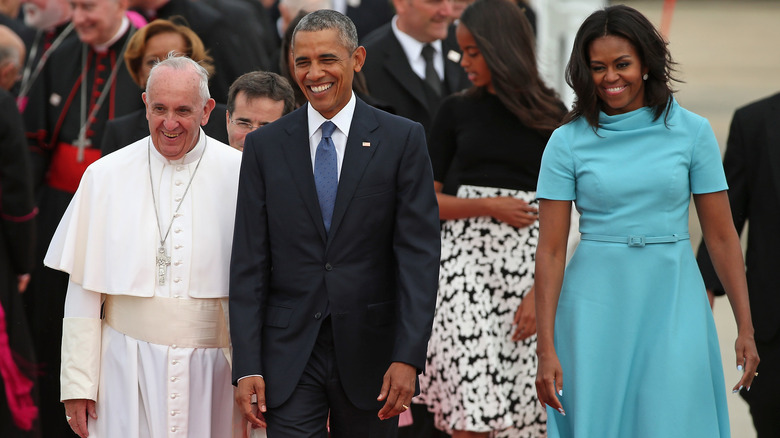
point(317, 315)
point(328, 267)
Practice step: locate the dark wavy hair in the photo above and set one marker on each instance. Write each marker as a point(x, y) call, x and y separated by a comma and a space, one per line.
point(505, 38)
point(628, 23)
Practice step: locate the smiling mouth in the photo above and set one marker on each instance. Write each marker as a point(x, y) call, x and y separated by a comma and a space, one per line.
point(615, 90)
point(320, 88)
point(172, 135)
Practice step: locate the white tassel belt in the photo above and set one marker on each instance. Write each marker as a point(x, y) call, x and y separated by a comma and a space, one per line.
point(188, 323)
point(636, 240)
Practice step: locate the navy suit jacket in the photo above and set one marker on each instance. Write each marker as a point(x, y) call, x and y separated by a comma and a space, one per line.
point(375, 273)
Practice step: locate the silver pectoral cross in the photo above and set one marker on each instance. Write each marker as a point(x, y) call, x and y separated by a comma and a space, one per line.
point(81, 143)
point(163, 261)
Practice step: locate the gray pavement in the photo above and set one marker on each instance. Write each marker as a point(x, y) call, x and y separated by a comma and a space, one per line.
point(728, 56)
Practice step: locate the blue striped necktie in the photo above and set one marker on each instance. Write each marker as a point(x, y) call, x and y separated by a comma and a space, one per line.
point(326, 171)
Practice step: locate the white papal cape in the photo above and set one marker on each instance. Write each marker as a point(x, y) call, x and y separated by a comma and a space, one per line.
point(147, 379)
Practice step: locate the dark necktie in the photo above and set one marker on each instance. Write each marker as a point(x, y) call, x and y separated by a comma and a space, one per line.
point(431, 77)
point(326, 170)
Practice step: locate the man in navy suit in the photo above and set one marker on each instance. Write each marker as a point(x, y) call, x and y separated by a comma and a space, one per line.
point(332, 296)
point(752, 165)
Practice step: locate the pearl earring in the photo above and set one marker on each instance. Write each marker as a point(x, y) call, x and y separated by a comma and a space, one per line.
point(644, 77)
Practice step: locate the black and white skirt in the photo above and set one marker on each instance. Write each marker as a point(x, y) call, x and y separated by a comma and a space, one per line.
point(476, 378)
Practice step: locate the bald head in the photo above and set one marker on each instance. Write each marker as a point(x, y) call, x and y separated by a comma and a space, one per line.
point(11, 57)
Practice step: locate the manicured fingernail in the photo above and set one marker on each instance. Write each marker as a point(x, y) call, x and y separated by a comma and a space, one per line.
point(561, 411)
point(734, 391)
point(739, 367)
point(748, 389)
point(560, 392)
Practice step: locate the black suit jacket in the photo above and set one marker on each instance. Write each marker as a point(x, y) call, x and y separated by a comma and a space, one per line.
point(375, 273)
point(132, 127)
point(752, 165)
point(370, 15)
point(391, 79)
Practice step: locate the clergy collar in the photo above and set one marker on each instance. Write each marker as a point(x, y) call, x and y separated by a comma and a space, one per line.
point(412, 48)
point(103, 48)
point(190, 157)
point(342, 120)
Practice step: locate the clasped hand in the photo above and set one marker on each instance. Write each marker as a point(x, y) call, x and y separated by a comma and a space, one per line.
point(513, 211)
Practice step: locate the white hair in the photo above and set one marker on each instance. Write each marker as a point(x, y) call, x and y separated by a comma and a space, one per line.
point(179, 62)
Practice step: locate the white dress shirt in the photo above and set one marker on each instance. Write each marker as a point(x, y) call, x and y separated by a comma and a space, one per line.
point(342, 120)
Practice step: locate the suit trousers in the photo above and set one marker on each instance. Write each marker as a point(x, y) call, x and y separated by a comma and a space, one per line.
point(763, 397)
point(319, 393)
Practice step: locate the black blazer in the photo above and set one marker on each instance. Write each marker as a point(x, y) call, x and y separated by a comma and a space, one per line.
point(370, 15)
point(391, 79)
point(752, 165)
point(375, 273)
point(128, 129)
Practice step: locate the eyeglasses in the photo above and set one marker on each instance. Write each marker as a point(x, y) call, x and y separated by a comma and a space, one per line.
point(246, 126)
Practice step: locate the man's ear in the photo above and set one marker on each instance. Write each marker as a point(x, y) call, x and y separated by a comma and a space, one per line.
point(7, 70)
point(210, 104)
point(359, 57)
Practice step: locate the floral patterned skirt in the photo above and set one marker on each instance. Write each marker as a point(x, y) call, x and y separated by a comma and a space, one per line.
point(476, 377)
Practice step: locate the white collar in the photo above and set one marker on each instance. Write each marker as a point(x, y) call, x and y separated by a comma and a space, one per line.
point(103, 48)
point(342, 120)
point(412, 47)
point(188, 158)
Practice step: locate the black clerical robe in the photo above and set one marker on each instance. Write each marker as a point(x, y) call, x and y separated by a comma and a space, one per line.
point(17, 232)
point(39, 49)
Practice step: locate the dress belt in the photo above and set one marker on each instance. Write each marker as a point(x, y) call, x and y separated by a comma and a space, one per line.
point(636, 240)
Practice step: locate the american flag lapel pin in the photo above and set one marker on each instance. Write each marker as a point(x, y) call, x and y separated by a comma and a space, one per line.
point(366, 144)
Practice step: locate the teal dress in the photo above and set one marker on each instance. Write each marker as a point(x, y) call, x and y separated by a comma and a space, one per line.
point(634, 331)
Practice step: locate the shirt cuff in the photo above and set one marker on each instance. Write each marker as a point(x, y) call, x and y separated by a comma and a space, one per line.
point(80, 372)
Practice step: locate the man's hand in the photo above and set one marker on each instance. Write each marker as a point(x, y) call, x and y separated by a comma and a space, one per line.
point(397, 389)
point(23, 281)
point(248, 386)
point(77, 410)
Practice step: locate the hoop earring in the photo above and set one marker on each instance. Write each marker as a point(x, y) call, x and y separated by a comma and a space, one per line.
point(644, 77)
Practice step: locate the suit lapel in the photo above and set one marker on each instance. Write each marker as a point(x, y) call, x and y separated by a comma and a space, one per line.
point(398, 66)
point(356, 158)
point(452, 69)
point(298, 156)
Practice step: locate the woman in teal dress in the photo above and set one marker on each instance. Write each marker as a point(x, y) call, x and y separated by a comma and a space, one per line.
point(627, 345)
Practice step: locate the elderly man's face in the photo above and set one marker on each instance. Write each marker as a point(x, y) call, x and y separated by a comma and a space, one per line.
point(424, 20)
point(250, 114)
point(44, 14)
point(324, 69)
point(96, 21)
point(175, 111)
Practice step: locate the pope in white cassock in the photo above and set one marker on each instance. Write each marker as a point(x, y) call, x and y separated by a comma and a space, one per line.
point(148, 236)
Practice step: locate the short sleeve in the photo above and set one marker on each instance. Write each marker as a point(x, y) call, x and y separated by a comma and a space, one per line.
point(706, 172)
point(556, 176)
